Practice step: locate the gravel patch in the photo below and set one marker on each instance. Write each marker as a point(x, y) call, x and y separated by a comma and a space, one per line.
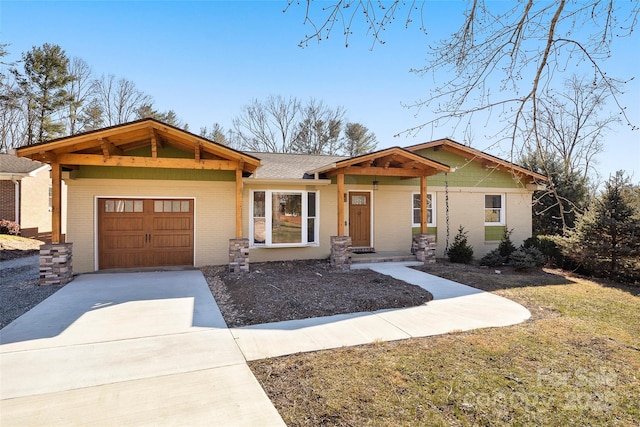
point(19, 288)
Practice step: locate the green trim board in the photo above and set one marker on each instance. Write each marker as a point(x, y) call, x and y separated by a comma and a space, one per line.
point(116, 172)
point(494, 233)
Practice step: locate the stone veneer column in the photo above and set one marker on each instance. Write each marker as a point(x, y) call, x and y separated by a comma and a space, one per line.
point(424, 247)
point(341, 252)
point(55, 263)
point(238, 255)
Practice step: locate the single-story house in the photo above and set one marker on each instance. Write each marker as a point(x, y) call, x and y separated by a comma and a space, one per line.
point(146, 194)
point(25, 194)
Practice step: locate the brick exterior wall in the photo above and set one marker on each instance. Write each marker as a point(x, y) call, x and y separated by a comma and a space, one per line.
point(8, 200)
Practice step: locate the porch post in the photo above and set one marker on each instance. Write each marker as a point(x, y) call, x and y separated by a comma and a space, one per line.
point(423, 204)
point(340, 179)
point(238, 203)
point(239, 247)
point(56, 257)
point(56, 203)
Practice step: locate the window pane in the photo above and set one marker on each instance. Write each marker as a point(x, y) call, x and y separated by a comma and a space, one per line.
point(157, 205)
point(428, 201)
point(311, 204)
point(167, 206)
point(492, 215)
point(416, 216)
point(184, 206)
point(109, 206)
point(259, 230)
point(492, 201)
point(128, 205)
point(416, 201)
point(138, 205)
point(258, 204)
point(119, 205)
point(311, 230)
point(175, 206)
point(358, 200)
point(429, 216)
point(286, 226)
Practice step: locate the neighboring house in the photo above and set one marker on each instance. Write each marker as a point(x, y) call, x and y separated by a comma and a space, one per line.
point(25, 187)
point(148, 194)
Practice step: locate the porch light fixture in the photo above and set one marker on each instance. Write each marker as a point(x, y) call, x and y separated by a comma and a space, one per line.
point(375, 184)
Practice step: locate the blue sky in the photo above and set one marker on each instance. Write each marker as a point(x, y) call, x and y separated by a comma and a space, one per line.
point(206, 59)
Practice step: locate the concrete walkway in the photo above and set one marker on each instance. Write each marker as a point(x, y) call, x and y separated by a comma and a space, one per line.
point(153, 348)
point(455, 307)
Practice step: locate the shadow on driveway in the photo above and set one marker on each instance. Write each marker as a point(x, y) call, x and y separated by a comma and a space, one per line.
point(151, 300)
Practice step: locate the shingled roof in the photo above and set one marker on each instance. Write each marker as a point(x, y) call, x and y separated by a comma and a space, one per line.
point(18, 166)
point(290, 166)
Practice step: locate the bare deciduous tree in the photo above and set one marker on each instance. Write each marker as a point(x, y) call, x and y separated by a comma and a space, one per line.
point(267, 126)
point(568, 136)
point(119, 100)
point(80, 90)
point(502, 58)
point(318, 131)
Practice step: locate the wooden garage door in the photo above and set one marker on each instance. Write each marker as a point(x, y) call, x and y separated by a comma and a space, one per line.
point(144, 233)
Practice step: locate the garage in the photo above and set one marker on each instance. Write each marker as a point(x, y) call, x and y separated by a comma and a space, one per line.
point(139, 232)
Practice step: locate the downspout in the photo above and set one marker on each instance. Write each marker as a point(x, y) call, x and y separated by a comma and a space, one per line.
point(16, 191)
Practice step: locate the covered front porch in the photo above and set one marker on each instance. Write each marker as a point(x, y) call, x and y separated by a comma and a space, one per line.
point(355, 213)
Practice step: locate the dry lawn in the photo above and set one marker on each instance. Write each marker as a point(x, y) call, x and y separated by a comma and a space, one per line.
point(575, 362)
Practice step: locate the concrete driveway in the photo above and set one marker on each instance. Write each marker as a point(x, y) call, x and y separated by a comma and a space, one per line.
point(128, 349)
point(153, 348)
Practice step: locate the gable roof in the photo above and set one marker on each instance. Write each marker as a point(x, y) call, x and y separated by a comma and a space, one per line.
point(487, 160)
point(19, 166)
point(394, 161)
point(108, 147)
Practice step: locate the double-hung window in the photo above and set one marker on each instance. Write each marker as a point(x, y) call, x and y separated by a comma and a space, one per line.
point(431, 213)
point(494, 209)
point(284, 218)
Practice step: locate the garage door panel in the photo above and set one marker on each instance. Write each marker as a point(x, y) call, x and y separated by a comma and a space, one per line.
point(123, 241)
point(145, 232)
point(123, 224)
point(125, 259)
point(171, 223)
point(172, 241)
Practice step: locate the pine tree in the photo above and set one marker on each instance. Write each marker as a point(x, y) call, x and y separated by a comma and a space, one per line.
point(46, 75)
point(358, 140)
point(607, 237)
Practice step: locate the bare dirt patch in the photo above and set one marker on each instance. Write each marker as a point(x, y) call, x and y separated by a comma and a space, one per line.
point(278, 291)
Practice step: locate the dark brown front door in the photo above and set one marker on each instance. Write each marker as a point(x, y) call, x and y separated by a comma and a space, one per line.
point(360, 219)
point(144, 233)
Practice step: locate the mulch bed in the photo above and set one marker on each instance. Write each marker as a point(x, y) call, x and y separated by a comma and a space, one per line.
point(278, 291)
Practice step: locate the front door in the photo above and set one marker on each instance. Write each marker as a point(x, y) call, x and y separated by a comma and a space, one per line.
point(144, 233)
point(360, 219)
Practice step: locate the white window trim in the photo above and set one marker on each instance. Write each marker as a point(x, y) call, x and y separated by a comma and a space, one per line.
point(433, 210)
point(503, 209)
point(268, 218)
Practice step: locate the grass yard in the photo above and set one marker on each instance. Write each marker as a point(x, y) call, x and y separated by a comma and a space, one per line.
point(575, 362)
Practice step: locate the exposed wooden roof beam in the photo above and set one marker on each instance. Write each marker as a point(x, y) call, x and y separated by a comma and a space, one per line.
point(355, 170)
point(196, 148)
point(109, 148)
point(146, 162)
